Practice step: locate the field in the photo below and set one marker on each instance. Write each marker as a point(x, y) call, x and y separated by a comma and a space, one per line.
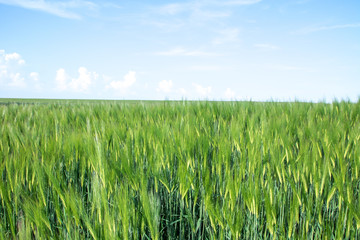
point(179, 170)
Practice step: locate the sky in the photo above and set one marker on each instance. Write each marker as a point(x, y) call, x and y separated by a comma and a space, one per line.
point(259, 50)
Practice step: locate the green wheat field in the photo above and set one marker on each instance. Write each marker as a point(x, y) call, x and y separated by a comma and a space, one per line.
point(179, 170)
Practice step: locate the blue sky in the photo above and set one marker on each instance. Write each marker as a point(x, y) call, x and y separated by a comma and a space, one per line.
point(197, 49)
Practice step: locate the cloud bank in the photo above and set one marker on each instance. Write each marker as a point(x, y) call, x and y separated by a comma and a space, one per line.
point(11, 72)
point(125, 84)
point(165, 86)
point(82, 83)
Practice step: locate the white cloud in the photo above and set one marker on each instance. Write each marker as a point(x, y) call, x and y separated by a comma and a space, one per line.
point(80, 84)
point(172, 8)
point(265, 46)
point(61, 79)
point(199, 14)
point(227, 35)
point(84, 80)
point(182, 91)
point(57, 8)
point(196, 6)
point(324, 28)
point(10, 69)
point(129, 80)
point(16, 80)
point(202, 91)
point(179, 51)
point(229, 94)
point(194, 12)
point(34, 76)
point(11, 58)
point(3, 70)
point(14, 57)
point(165, 86)
point(3, 73)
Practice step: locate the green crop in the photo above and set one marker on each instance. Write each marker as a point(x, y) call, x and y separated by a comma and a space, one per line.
point(179, 170)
